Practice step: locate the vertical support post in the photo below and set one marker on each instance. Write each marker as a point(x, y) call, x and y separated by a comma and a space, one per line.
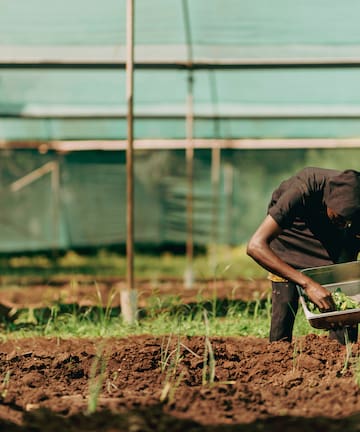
point(55, 187)
point(215, 174)
point(189, 272)
point(215, 182)
point(128, 297)
point(229, 191)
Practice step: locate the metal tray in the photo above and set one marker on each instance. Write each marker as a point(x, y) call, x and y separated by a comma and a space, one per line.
point(345, 276)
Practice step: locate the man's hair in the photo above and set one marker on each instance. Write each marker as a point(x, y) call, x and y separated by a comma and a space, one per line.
point(343, 193)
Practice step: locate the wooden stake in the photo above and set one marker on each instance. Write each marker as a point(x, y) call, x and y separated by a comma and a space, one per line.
point(128, 298)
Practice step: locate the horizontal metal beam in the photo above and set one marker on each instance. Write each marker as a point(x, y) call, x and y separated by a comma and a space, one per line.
point(176, 112)
point(176, 56)
point(197, 65)
point(175, 144)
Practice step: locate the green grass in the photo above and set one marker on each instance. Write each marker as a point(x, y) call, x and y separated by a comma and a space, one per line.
point(225, 262)
point(161, 316)
point(225, 318)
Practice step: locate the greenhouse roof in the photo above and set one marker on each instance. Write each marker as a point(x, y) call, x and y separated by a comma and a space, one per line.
point(261, 70)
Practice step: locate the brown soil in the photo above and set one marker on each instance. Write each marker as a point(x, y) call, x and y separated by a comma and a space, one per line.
point(85, 291)
point(166, 384)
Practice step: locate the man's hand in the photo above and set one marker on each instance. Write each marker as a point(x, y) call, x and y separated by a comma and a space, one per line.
point(320, 296)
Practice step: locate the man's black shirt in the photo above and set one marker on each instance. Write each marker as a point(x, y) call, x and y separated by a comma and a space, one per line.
point(309, 239)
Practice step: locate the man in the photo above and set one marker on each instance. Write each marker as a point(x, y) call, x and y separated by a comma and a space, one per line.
point(313, 220)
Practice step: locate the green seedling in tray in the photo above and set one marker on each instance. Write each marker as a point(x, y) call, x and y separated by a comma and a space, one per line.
point(341, 300)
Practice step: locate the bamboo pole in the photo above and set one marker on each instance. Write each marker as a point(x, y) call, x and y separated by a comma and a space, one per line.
point(215, 182)
point(128, 296)
point(55, 187)
point(189, 272)
point(176, 144)
point(229, 194)
point(215, 175)
point(24, 181)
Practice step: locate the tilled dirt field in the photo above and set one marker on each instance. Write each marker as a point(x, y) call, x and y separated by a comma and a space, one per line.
point(148, 383)
point(159, 384)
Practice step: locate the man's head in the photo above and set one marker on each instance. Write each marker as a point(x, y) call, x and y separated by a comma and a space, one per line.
point(342, 196)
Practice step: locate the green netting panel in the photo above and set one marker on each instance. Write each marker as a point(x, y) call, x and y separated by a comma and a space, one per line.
point(229, 128)
point(260, 22)
point(227, 104)
point(213, 22)
point(31, 217)
point(226, 30)
point(94, 193)
point(94, 201)
point(164, 92)
point(39, 22)
point(86, 206)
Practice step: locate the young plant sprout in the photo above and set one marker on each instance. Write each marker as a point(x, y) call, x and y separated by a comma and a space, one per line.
point(341, 300)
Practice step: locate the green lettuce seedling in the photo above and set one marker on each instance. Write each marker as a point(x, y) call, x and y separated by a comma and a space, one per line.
point(341, 300)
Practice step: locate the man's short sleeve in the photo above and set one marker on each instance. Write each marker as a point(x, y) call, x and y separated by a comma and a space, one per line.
point(286, 203)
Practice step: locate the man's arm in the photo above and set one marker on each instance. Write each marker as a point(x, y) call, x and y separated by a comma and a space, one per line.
point(259, 249)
